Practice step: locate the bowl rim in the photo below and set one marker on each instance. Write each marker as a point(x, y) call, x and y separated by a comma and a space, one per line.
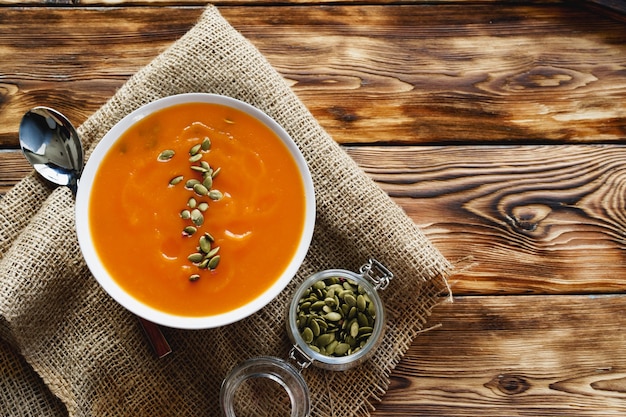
point(138, 307)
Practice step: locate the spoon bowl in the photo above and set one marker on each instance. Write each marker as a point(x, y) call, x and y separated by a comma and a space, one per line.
point(52, 146)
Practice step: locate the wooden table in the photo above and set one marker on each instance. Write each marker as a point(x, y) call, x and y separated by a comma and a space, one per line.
point(499, 128)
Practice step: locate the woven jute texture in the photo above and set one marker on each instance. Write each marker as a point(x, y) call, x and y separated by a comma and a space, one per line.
point(64, 338)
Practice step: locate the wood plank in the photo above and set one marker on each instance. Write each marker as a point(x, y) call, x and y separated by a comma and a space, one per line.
point(13, 167)
point(532, 219)
point(516, 356)
point(398, 73)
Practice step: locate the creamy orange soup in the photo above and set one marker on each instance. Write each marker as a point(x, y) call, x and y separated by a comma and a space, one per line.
point(135, 212)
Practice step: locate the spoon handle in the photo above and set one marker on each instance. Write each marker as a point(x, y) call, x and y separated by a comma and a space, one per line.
point(159, 344)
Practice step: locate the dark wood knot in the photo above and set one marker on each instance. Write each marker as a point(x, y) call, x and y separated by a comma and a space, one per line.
point(509, 384)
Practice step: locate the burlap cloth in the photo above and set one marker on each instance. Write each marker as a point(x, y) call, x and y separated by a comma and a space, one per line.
point(64, 338)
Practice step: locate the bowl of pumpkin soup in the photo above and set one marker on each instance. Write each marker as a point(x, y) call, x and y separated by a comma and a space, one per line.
point(195, 211)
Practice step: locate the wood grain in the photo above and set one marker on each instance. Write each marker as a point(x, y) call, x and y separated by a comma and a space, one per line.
point(515, 356)
point(533, 219)
point(392, 75)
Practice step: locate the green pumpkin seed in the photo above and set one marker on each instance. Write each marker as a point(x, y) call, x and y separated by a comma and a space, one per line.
point(206, 144)
point(203, 206)
point(361, 303)
point(198, 169)
point(307, 335)
point(362, 318)
point(177, 179)
point(196, 217)
point(189, 230)
point(205, 244)
point(214, 261)
point(324, 339)
point(371, 309)
point(195, 158)
point(185, 215)
point(208, 182)
point(166, 155)
point(194, 277)
point(211, 253)
point(209, 237)
point(215, 172)
point(195, 257)
point(350, 300)
point(315, 327)
point(318, 305)
point(192, 203)
point(215, 195)
point(191, 182)
point(195, 149)
point(354, 328)
point(334, 316)
point(319, 285)
point(330, 348)
point(341, 349)
point(200, 189)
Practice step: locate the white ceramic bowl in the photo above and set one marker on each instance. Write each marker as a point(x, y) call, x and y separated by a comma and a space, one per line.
point(127, 300)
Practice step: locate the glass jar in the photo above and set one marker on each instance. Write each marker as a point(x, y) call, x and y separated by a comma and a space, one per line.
point(372, 276)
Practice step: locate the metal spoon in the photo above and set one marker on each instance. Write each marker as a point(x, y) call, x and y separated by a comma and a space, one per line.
point(52, 146)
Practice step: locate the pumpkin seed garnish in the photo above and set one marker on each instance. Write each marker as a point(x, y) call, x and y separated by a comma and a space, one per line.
point(196, 217)
point(166, 155)
point(207, 256)
point(195, 158)
point(196, 257)
point(201, 189)
point(335, 317)
point(176, 180)
point(215, 195)
point(214, 261)
point(206, 144)
point(205, 244)
point(195, 149)
point(189, 230)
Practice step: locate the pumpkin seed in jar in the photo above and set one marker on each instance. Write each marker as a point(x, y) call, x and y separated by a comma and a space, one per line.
point(339, 315)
